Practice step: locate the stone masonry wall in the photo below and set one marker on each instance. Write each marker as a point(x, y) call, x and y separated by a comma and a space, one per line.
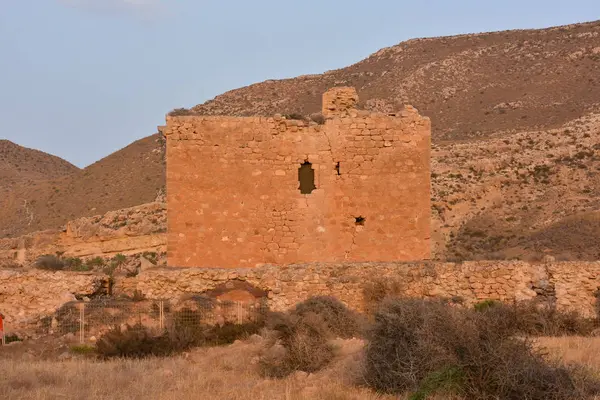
point(568, 285)
point(25, 295)
point(233, 187)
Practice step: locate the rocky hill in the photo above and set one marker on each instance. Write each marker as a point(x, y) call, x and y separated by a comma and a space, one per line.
point(516, 132)
point(471, 86)
point(129, 177)
point(21, 166)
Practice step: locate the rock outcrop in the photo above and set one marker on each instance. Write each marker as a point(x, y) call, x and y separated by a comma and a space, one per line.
point(128, 231)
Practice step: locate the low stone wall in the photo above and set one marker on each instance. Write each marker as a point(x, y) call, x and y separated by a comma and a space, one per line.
point(571, 285)
point(26, 295)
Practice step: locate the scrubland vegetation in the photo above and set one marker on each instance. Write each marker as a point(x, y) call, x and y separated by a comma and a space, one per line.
point(404, 348)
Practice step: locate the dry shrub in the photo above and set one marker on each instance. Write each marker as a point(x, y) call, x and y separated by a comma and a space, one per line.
point(133, 342)
point(428, 347)
point(538, 319)
point(378, 289)
point(301, 338)
point(50, 263)
point(67, 317)
point(340, 320)
point(301, 344)
point(180, 112)
point(185, 331)
point(318, 118)
point(295, 115)
point(229, 332)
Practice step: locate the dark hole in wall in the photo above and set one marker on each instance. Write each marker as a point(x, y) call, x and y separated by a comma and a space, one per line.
point(360, 220)
point(337, 168)
point(306, 177)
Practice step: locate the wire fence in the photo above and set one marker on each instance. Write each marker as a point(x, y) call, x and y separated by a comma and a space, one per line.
point(88, 319)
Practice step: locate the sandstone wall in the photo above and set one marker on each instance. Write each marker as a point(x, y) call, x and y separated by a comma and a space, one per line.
point(27, 295)
point(30, 294)
point(128, 231)
point(569, 285)
point(235, 201)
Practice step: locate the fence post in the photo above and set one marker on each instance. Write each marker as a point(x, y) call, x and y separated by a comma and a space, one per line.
point(2, 330)
point(161, 315)
point(82, 322)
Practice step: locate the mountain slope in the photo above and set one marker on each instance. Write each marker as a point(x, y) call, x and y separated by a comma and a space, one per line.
point(516, 141)
point(21, 166)
point(515, 131)
point(470, 85)
point(128, 177)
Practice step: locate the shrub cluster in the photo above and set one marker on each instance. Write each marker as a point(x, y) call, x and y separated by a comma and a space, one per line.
point(49, 263)
point(428, 347)
point(302, 337)
point(538, 319)
point(133, 342)
point(302, 344)
point(186, 331)
point(340, 320)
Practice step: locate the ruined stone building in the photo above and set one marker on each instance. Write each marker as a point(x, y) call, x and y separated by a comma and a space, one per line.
point(242, 192)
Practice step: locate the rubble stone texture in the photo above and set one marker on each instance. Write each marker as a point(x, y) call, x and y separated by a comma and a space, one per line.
point(569, 286)
point(26, 295)
point(235, 197)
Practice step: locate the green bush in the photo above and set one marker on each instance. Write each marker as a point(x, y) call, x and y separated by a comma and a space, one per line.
point(119, 259)
point(83, 349)
point(76, 264)
point(95, 262)
point(11, 338)
point(484, 305)
point(428, 347)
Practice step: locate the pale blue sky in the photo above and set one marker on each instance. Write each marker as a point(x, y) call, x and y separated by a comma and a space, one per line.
point(83, 78)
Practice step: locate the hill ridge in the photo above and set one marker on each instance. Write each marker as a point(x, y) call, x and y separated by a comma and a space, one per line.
point(516, 140)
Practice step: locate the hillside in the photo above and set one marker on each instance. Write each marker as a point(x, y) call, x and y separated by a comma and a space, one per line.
point(471, 86)
point(516, 132)
point(128, 177)
point(22, 166)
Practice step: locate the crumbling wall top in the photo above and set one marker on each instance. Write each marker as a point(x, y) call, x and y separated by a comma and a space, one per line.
point(338, 101)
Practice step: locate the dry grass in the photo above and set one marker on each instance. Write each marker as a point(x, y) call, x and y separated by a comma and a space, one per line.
point(574, 349)
point(213, 373)
point(218, 373)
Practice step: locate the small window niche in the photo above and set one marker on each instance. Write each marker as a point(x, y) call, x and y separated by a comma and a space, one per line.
point(306, 177)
